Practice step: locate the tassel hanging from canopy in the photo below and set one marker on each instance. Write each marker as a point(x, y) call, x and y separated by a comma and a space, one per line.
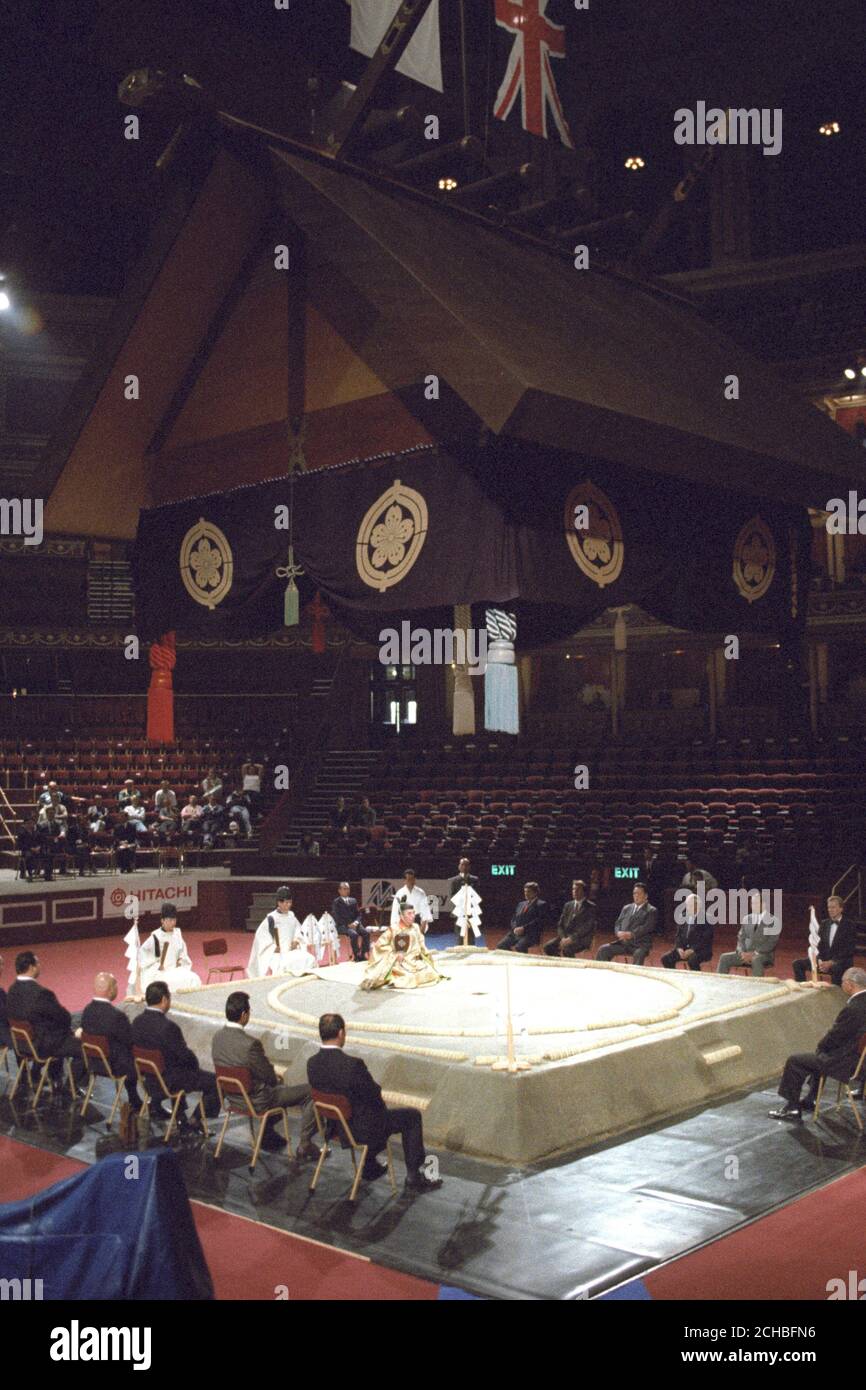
point(501, 702)
point(463, 721)
point(291, 571)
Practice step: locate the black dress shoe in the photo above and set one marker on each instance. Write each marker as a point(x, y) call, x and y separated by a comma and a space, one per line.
point(790, 1112)
point(273, 1144)
point(373, 1171)
point(419, 1182)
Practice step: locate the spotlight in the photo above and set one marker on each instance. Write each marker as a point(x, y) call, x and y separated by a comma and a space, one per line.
point(829, 128)
point(5, 301)
point(863, 370)
point(849, 373)
point(635, 161)
point(447, 185)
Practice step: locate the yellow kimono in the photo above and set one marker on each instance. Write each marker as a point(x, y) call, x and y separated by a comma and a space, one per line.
point(401, 963)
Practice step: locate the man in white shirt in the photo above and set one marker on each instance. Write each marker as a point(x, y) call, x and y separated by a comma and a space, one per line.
point(163, 956)
point(274, 940)
point(165, 796)
point(415, 897)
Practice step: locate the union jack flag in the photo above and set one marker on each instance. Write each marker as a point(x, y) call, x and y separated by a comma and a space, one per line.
point(536, 40)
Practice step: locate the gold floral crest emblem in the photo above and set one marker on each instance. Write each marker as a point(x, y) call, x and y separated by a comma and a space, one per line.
point(594, 533)
point(391, 537)
point(206, 563)
point(754, 559)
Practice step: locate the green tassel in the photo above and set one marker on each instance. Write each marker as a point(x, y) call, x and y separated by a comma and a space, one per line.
point(290, 605)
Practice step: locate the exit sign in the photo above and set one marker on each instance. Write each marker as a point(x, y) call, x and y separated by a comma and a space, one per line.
point(627, 872)
point(503, 870)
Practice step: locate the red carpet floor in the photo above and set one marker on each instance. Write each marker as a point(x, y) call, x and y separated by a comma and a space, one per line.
point(246, 1260)
point(790, 1254)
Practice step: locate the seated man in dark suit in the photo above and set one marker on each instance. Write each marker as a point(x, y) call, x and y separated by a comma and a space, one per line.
point(331, 1069)
point(634, 929)
point(347, 915)
point(694, 939)
point(576, 924)
point(30, 849)
point(101, 1017)
point(836, 946)
point(51, 1023)
point(154, 1029)
point(528, 922)
point(233, 1047)
point(836, 1055)
point(5, 1035)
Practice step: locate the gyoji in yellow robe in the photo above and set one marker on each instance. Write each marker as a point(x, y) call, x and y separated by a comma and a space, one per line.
point(401, 967)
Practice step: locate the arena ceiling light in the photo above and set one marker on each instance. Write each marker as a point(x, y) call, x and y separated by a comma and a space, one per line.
point(829, 128)
point(634, 162)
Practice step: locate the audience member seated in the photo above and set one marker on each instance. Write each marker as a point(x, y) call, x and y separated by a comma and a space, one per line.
point(30, 847)
point(308, 845)
point(127, 791)
point(51, 1024)
point(78, 843)
point(100, 1016)
point(97, 816)
point(52, 838)
point(251, 783)
point(836, 946)
point(634, 929)
point(576, 926)
point(757, 940)
point(527, 923)
point(363, 814)
point(340, 816)
point(694, 939)
point(212, 784)
point(49, 793)
point(136, 815)
point(124, 844)
point(155, 1030)
point(238, 808)
point(347, 916)
point(233, 1047)
point(190, 818)
point(334, 1071)
point(836, 1055)
point(165, 797)
point(213, 820)
point(53, 808)
point(693, 876)
point(165, 826)
point(5, 1035)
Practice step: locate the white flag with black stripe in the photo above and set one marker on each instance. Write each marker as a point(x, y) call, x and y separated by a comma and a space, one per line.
point(423, 57)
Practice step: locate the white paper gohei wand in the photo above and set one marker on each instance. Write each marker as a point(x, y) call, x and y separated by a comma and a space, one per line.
point(814, 940)
point(467, 912)
point(132, 942)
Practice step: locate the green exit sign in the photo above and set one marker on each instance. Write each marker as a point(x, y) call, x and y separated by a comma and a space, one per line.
point(628, 872)
point(503, 870)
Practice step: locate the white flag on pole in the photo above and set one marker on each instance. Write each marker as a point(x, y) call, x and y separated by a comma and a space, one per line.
point(132, 940)
point(814, 938)
point(467, 910)
point(423, 57)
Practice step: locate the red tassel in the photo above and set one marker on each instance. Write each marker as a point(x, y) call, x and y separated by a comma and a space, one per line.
point(319, 612)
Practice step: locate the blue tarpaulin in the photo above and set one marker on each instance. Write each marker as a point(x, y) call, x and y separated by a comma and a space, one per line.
point(122, 1229)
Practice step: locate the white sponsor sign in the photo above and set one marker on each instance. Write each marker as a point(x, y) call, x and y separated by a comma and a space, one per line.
point(152, 890)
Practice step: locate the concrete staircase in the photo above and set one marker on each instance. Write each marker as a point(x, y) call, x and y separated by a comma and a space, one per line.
point(348, 772)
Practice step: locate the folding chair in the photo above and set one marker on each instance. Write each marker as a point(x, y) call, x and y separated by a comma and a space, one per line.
point(95, 1048)
point(855, 1076)
point(218, 946)
point(149, 1063)
point(233, 1086)
point(28, 1057)
point(331, 1109)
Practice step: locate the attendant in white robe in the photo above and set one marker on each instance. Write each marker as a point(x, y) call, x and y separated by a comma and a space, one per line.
point(276, 942)
point(410, 895)
point(163, 956)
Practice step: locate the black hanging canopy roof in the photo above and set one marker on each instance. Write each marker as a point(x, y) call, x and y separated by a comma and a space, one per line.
point(586, 360)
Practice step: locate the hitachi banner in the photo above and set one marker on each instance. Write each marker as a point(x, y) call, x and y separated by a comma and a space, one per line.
point(152, 890)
